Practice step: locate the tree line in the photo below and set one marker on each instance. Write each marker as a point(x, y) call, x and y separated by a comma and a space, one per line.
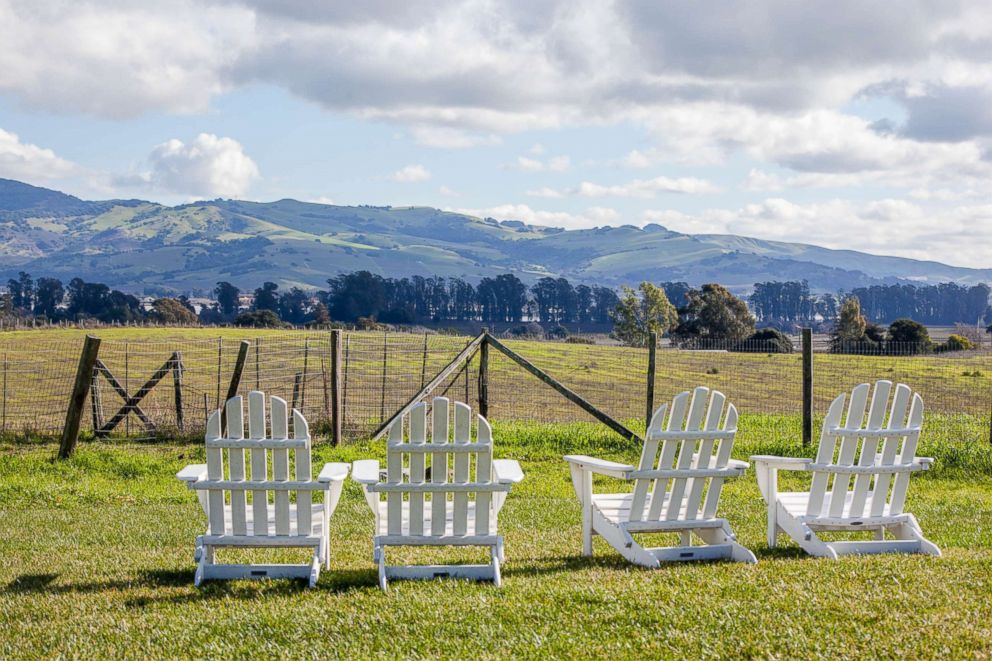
point(684, 313)
point(944, 304)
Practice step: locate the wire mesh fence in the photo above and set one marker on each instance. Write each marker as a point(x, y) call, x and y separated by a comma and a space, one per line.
point(380, 372)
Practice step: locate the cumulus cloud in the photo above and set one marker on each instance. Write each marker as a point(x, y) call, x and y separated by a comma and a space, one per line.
point(205, 167)
point(553, 164)
point(544, 191)
point(957, 235)
point(411, 174)
point(591, 217)
point(28, 162)
point(647, 188)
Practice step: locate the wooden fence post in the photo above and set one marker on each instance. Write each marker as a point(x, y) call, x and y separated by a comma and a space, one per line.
point(807, 387)
point(652, 365)
point(232, 388)
point(4, 393)
point(484, 376)
point(385, 361)
point(337, 399)
point(303, 382)
point(80, 388)
point(177, 387)
point(96, 401)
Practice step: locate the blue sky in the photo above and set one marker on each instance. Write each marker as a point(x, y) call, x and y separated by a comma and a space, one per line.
point(851, 125)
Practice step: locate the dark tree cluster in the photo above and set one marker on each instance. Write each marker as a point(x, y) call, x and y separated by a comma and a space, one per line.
point(502, 299)
point(943, 304)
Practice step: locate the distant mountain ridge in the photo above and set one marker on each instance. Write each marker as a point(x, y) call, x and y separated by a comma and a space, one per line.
point(137, 245)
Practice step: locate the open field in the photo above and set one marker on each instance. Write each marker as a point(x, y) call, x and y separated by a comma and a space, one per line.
point(383, 370)
point(96, 558)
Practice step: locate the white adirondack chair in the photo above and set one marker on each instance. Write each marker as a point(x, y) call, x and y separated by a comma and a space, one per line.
point(223, 483)
point(675, 490)
point(452, 500)
point(877, 449)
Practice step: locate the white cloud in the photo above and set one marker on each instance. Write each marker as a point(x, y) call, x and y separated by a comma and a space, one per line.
point(537, 149)
point(322, 199)
point(545, 192)
point(592, 217)
point(647, 188)
point(955, 235)
point(120, 59)
point(759, 180)
point(28, 162)
point(207, 166)
point(411, 174)
point(446, 137)
point(638, 159)
point(553, 164)
point(447, 192)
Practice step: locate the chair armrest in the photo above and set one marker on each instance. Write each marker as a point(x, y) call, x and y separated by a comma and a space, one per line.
point(601, 466)
point(192, 473)
point(334, 472)
point(926, 462)
point(782, 463)
point(738, 464)
point(365, 471)
point(507, 471)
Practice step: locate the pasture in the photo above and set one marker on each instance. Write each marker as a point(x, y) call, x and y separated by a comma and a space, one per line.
point(382, 370)
point(96, 558)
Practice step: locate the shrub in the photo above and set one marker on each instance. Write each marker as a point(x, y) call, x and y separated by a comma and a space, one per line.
point(766, 340)
point(956, 343)
point(530, 329)
point(579, 339)
point(368, 323)
point(559, 332)
point(259, 319)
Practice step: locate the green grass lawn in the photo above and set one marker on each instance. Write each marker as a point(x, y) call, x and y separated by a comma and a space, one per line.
point(96, 559)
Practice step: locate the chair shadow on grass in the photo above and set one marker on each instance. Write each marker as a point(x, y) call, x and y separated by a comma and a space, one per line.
point(334, 581)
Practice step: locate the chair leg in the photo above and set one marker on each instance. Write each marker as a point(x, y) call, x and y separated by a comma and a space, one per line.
point(497, 578)
point(911, 530)
point(314, 568)
point(383, 582)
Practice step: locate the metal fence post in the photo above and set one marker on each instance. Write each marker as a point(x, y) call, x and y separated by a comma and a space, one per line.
point(807, 387)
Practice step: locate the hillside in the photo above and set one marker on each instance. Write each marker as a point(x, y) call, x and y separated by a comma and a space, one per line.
point(137, 245)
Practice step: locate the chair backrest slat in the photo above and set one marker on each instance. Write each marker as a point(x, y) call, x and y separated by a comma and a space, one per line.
point(906, 455)
point(462, 461)
point(233, 520)
point(394, 475)
point(483, 473)
point(824, 455)
point(722, 459)
point(686, 436)
point(463, 503)
point(418, 436)
point(848, 449)
point(867, 431)
point(439, 465)
point(869, 445)
point(259, 463)
point(680, 407)
point(215, 471)
point(304, 471)
point(687, 448)
point(236, 461)
point(280, 464)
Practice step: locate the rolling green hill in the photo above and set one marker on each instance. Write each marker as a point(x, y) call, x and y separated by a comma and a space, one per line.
point(137, 245)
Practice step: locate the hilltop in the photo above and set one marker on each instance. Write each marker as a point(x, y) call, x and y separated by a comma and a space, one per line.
point(136, 245)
